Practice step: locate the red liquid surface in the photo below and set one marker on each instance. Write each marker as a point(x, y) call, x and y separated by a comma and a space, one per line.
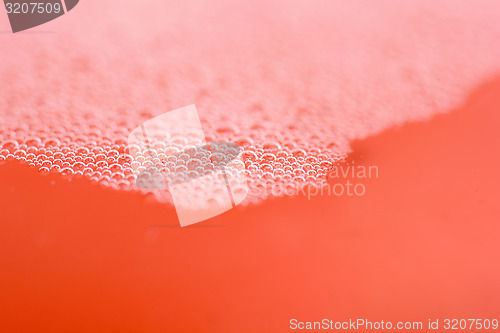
point(423, 242)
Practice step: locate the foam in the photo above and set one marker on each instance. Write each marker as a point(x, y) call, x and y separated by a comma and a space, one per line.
point(291, 82)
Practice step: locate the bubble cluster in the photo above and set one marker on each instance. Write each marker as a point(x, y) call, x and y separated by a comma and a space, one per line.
point(292, 83)
point(103, 156)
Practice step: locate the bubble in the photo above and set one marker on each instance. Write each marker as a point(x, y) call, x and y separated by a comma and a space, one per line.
point(102, 164)
point(10, 145)
point(20, 153)
point(193, 163)
point(266, 167)
point(44, 170)
point(78, 166)
point(66, 171)
point(52, 142)
point(268, 157)
point(55, 168)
